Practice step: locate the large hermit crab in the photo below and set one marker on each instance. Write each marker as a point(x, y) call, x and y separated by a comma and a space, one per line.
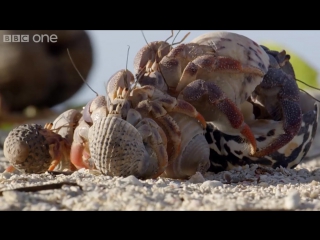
point(274, 112)
point(217, 73)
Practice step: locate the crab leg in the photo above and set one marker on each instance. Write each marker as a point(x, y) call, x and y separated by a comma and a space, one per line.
point(162, 104)
point(224, 112)
point(159, 109)
point(151, 133)
point(57, 142)
point(284, 105)
point(10, 169)
point(79, 149)
point(205, 66)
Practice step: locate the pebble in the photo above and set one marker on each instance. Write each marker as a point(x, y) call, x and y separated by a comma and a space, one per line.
point(197, 178)
point(12, 196)
point(292, 201)
point(132, 180)
point(314, 194)
point(208, 185)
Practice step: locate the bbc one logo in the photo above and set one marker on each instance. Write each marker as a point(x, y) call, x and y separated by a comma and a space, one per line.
point(37, 38)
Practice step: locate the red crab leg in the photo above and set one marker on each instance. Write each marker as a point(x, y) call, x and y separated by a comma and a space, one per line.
point(284, 105)
point(228, 117)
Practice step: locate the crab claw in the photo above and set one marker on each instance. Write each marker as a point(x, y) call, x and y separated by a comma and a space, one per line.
point(279, 94)
point(79, 153)
point(223, 112)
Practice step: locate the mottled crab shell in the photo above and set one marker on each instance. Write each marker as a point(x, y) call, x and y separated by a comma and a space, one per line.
point(227, 152)
point(117, 149)
point(27, 150)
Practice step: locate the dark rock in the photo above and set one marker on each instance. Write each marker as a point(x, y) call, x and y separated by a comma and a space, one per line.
point(41, 74)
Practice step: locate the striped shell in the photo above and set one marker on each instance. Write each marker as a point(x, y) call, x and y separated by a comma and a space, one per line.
point(227, 152)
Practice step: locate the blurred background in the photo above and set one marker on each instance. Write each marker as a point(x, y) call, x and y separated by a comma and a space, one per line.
point(37, 78)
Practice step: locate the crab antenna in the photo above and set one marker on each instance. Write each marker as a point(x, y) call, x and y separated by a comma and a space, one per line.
point(127, 63)
point(127, 57)
point(145, 38)
point(309, 95)
point(182, 39)
point(307, 84)
point(80, 73)
point(170, 36)
point(175, 37)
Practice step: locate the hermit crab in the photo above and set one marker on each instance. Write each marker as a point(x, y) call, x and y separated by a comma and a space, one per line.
point(215, 78)
point(218, 72)
point(32, 148)
point(140, 131)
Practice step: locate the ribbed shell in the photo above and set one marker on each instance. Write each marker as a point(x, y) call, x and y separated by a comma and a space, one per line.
point(195, 151)
point(117, 149)
point(27, 150)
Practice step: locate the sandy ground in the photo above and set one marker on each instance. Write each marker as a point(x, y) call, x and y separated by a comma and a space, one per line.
point(248, 188)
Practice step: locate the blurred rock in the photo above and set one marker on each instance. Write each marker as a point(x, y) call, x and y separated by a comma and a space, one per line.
point(40, 74)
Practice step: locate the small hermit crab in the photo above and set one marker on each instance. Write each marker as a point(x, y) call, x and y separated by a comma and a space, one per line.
point(32, 148)
point(141, 131)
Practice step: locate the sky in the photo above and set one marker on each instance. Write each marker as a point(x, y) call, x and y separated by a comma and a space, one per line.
point(110, 51)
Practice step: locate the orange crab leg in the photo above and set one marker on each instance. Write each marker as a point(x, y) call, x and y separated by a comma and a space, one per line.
point(76, 156)
point(186, 108)
point(10, 169)
point(173, 135)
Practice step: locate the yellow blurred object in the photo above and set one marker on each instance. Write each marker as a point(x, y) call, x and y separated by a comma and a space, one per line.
point(30, 111)
point(302, 69)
